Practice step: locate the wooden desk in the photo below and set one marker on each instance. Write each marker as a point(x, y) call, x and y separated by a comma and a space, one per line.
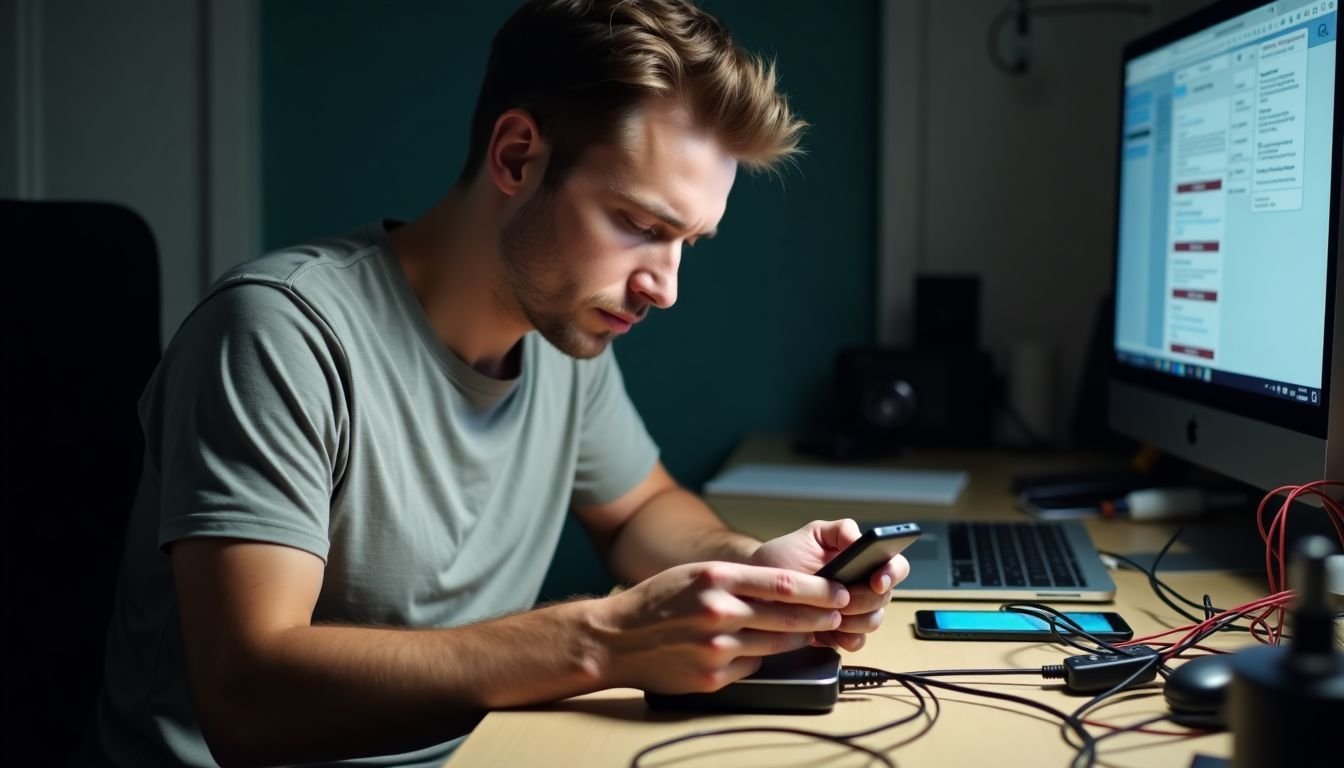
point(608, 728)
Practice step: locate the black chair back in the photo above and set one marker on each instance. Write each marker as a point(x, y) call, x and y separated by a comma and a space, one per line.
point(81, 338)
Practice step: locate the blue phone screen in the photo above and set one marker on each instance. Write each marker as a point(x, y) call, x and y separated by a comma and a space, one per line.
point(1007, 621)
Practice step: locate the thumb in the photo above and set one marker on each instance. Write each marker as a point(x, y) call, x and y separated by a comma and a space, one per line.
point(835, 535)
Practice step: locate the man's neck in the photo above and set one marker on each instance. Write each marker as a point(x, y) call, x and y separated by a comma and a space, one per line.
point(451, 260)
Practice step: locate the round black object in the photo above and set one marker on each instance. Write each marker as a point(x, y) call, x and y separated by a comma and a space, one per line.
point(1197, 689)
point(1285, 709)
point(890, 404)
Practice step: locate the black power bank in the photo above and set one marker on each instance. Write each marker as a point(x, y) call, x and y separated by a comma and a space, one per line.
point(803, 681)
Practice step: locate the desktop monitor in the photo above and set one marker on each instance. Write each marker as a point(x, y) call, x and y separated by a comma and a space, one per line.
point(1226, 343)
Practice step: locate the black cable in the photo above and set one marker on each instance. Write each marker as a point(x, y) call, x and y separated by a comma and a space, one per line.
point(930, 721)
point(1119, 687)
point(860, 678)
point(1178, 648)
point(646, 751)
point(1053, 617)
point(1090, 747)
point(844, 739)
point(1158, 585)
point(1175, 650)
point(971, 672)
point(1206, 606)
point(1135, 726)
point(920, 710)
point(1086, 756)
point(1152, 576)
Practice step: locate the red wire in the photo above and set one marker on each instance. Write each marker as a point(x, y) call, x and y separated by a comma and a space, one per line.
point(1275, 537)
point(1263, 628)
point(1167, 644)
point(1145, 729)
point(1267, 624)
point(1270, 603)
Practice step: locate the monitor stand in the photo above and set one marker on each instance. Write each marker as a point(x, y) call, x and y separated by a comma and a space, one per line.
point(1230, 541)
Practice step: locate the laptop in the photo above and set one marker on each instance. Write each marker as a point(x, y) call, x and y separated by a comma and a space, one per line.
point(971, 560)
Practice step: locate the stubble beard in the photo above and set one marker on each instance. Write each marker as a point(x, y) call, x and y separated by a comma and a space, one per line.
point(541, 290)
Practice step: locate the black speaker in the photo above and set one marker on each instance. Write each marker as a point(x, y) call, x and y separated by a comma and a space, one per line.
point(923, 397)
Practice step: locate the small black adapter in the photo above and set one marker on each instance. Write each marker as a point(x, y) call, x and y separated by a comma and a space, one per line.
point(1103, 671)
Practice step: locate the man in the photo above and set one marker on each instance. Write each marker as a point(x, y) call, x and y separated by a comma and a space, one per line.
point(360, 451)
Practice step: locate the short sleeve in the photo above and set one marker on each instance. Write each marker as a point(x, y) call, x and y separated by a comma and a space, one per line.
point(615, 450)
point(246, 422)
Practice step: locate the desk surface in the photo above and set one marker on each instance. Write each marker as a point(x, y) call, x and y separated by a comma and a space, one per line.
point(609, 727)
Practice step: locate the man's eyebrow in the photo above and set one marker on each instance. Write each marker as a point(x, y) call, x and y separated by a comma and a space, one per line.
point(657, 210)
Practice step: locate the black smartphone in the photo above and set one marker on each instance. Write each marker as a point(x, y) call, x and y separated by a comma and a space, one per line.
point(1009, 625)
point(869, 552)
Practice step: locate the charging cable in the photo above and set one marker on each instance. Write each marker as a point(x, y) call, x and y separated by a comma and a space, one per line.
point(1088, 673)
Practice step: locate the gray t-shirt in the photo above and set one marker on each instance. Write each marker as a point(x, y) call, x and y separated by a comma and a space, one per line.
point(307, 402)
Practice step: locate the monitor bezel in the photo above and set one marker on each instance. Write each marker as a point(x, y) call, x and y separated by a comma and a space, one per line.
point(1305, 418)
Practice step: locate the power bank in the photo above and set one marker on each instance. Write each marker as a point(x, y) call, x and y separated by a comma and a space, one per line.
point(803, 681)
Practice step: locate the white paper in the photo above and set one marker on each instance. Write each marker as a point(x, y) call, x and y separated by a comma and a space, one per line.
point(911, 486)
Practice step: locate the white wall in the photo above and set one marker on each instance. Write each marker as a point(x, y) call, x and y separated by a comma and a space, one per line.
point(1011, 178)
point(146, 103)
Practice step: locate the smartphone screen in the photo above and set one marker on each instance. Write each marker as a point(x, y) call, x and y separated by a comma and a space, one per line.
point(1008, 625)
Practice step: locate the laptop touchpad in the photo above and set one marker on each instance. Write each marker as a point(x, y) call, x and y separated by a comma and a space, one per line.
point(925, 548)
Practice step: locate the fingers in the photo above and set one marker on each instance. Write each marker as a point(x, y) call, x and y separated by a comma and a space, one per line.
point(835, 535)
point(753, 642)
point(871, 597)
point(783, 617)
point(862, 623)
point(891, 574)
point(864, 600)
point(735, 670)
point(844, 640)
point(775, 584)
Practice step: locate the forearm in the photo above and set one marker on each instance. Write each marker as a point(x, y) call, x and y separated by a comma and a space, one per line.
point(312, 693)
point(672, 528)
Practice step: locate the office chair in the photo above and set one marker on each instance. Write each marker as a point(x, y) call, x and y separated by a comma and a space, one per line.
point(81, 338)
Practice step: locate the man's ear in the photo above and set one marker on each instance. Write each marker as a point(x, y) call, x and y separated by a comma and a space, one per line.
point(517, 155)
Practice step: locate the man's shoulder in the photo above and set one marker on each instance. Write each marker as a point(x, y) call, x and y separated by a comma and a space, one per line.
point(301, 290)
point(289, 267)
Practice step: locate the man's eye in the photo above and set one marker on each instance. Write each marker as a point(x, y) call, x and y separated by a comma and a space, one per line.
point(645, 232)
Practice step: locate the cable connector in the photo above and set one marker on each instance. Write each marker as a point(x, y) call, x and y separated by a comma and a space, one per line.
point(1103, 671)
point(862, 677)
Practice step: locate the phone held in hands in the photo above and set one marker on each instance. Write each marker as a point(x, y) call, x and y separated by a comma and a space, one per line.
point(869, 552)
point(806, 680)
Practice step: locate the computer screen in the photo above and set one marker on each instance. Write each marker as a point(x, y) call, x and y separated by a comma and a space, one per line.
point(1227, 238)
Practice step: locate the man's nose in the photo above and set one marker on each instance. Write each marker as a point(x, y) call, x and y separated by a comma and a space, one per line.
point(656, 282)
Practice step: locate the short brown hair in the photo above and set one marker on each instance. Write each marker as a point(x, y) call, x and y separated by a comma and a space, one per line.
point(582, 67)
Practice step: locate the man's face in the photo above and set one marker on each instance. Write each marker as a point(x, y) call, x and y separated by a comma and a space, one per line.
point(587, 259)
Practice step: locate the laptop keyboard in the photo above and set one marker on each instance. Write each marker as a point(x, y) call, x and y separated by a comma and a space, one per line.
point(1012, 555)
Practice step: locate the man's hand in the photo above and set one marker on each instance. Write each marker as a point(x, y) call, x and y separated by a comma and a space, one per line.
point(815, 544)
point(700, 626)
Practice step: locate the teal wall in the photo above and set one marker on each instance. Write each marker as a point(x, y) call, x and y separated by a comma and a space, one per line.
point(365, 111)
